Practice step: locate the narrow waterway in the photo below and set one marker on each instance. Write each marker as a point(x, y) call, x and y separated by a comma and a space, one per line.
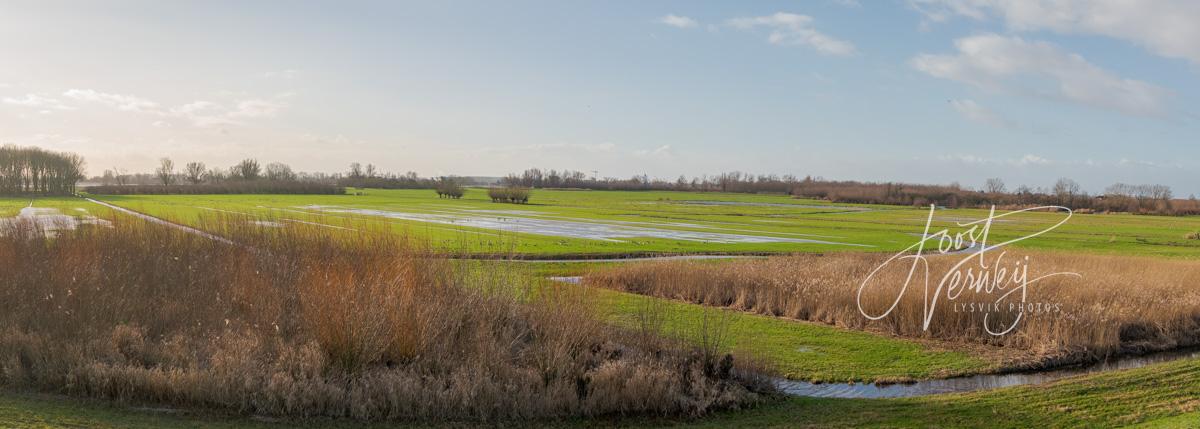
point(975, 382)
point(960, 384)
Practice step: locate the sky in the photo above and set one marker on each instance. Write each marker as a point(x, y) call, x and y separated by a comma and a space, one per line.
point(925, 91)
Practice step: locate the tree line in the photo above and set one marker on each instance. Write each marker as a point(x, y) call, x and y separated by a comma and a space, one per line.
point(1148, 199)
point(35, 171)
point(246, 177)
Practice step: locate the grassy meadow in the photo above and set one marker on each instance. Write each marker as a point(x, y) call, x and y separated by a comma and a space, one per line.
point(312, 345)
point(748, 223)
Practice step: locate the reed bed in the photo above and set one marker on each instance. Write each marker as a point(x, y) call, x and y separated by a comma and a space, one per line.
point(304, 322)
point(1120, 305)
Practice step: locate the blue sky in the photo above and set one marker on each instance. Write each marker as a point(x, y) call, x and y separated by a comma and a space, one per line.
point(920, 91)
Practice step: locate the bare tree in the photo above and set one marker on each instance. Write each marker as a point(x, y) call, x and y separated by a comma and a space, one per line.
point(165, 171)
point(356, 171)
point(994, 186)
point(121, 175)
point(194, 172)
point(370, 171)
point(280, 171)
point(248, 169)
point(1066, 190)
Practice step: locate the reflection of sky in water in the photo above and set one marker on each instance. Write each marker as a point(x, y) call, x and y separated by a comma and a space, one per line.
point(563, 228)
point(972, 383)
point(50, 220)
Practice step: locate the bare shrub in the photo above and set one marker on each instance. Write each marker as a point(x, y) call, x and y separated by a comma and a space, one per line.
point(302, 321)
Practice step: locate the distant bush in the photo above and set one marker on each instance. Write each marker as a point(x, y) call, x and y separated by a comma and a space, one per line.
point(513, 195)
point(448, 188)
point(227, 187)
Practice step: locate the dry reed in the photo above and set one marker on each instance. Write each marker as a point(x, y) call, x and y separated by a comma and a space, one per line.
point(306, 321)
point(1119, 305)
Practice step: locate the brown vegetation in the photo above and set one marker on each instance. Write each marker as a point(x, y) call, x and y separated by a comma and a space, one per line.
point(298, 322)
point(1121, 304)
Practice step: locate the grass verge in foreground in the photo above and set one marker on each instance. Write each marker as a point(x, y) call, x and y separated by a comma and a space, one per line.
point(1158, 396)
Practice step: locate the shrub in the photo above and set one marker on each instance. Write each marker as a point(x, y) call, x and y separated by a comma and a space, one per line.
point(512, 194)
point(304, 321)
point(449, 188)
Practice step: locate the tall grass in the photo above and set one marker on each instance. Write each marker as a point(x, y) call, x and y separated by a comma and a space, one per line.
point(301, 321)
point(1120, 305)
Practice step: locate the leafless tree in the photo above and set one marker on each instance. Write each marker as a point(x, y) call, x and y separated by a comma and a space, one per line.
point(994, 186)
point(280, 171)
point(121, 175)
point(248, 169)
point(194, 172)
point(165, 171)
point(1066, 190)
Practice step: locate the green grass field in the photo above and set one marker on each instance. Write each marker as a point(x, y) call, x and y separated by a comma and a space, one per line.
point(559, 222)
point(1159, 396)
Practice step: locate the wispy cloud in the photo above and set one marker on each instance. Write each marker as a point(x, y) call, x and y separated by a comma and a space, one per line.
point(663, 151)
point(35, 101)
point(1040, 69)
point(1166, 27)
point(978, 113)
point(287, 74)
point(789, 29)
point(123, 102)
point(678, 21)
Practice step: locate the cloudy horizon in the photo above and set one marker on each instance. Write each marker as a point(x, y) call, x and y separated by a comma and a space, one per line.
point(928, 91)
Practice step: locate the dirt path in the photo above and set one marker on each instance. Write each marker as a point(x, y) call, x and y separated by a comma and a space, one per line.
point(169, 224)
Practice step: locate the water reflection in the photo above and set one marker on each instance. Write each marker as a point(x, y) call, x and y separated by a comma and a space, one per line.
point(975, 382)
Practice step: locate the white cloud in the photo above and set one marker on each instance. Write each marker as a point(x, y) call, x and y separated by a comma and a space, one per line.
point(1032, 160)
point(255, 108)
point(1024, 161)
point(119, 101)
point(792, 29)
point(1039, 69)
point(288, 74)
point(35, 101)
point(661, 151)
point(848, 3)
point(678, 21)
point(210, 114)
point(1166, 27)
point(975, 112)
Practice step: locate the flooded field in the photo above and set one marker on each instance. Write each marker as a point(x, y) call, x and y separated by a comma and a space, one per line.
point(527, 222)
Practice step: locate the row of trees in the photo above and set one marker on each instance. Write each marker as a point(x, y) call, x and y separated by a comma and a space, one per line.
point(1150, 199)
point(724, 182)
point(245, 177)
point(34, 171)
